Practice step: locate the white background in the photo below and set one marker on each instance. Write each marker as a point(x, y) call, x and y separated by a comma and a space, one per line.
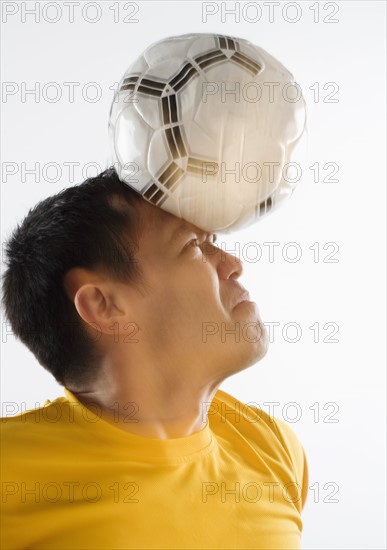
point(348, 453)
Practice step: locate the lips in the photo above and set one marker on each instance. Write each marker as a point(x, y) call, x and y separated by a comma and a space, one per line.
point(243, 297)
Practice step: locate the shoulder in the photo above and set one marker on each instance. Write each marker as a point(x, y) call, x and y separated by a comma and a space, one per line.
point(296, 453)
point(34, 424)
point(273, 435)
point(33, 415)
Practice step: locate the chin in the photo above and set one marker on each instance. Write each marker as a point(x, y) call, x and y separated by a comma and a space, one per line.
point(256, 342)
point(257, 355)
point(246, 354)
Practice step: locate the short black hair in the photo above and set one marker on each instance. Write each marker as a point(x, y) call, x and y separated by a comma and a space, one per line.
point(95, 224)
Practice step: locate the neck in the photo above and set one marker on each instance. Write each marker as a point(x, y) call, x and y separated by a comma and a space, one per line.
point(150, 401)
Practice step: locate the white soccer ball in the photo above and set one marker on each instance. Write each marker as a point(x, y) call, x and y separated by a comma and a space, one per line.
point(205, 126)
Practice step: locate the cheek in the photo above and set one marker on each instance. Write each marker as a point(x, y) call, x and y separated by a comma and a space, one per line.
point(203, 299)
point(186, 286)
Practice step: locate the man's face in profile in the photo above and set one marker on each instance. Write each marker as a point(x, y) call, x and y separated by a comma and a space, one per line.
point(190, 316)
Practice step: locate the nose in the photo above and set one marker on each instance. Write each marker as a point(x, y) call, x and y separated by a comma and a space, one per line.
point(228, 266)
point(231, 267)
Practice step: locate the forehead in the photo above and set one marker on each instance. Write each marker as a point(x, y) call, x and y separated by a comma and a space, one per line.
point(162, 226)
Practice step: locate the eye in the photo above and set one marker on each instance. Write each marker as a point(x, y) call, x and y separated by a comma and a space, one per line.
point(196, 243)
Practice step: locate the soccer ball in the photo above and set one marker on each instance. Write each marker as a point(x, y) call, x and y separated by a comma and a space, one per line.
point(205, 126)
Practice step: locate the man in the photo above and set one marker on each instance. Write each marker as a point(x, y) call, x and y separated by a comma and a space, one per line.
point(137, 314)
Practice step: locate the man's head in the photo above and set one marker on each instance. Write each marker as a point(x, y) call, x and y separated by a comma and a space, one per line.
point(97, 275)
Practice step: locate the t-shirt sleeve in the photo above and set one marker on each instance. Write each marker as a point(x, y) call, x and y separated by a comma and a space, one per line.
point(297, 455)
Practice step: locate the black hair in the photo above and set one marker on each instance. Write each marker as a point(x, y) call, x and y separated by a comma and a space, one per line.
point(95, 224)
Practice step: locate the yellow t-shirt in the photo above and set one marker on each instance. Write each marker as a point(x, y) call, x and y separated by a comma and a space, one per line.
point(71, 480)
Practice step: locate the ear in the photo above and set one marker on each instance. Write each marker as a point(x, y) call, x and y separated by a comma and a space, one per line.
point(93, 296)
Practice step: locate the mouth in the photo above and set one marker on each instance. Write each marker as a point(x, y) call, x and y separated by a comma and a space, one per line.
point(243, 298)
